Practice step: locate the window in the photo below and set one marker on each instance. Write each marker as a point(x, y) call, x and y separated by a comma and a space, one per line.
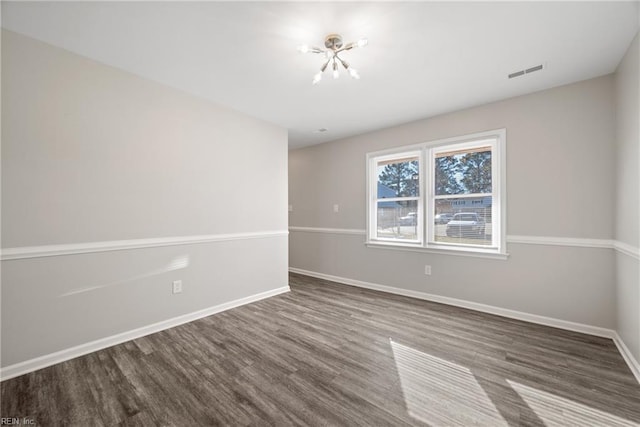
point(445, 195)
point(398, 201)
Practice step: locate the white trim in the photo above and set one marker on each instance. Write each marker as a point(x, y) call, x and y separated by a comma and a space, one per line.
point(352, 231)
point(117, 245)
point(495, 138)
point(626, 249)
point(627, 356)
point(621, 247)
point(512, 314)
point(31, 365)
point(561, 241)
point(464, 251)
point(372, 192)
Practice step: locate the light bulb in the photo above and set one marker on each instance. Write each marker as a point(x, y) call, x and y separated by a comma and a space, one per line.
point(336, 74)
point(354, 73)
point(304, 48)
point(362, 42)
point(317, 78)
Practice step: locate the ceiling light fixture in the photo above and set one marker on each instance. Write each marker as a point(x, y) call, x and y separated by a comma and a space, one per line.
point(334, 45)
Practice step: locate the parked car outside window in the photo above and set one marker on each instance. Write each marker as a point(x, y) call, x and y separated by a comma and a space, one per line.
point(443, 218)
point(466, 224)
point(409, 219)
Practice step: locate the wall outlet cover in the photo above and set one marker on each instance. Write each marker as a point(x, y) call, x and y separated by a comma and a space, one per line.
point(177, 286)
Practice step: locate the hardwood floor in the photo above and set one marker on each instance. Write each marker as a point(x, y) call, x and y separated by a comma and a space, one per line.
point(330, 354)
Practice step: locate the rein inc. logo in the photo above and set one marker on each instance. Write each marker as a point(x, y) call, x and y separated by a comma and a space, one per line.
point(7, 421)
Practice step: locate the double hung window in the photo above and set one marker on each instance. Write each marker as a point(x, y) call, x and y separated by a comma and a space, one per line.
point(446, 195)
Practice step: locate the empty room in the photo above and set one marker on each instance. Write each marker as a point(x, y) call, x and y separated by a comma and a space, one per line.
point(320, 213)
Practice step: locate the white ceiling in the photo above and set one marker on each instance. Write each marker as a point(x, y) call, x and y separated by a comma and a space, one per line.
point(423, 58)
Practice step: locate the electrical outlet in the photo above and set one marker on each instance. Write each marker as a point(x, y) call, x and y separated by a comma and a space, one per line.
point(177, 286)
point(290, 208)
point(427, 270)
point(336, 208)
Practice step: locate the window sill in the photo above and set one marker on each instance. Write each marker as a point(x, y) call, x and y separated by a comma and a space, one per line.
point(466, 252)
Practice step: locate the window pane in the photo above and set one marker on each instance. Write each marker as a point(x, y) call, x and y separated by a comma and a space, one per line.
point(398, 178)
point(463, 172)
point(398, 220)
point(465, 220)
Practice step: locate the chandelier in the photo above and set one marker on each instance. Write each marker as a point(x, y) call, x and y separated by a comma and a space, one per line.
point(334, 45)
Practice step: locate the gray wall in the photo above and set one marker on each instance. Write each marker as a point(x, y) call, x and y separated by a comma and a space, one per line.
point(627, 209)
point(560, 181)
point(93, 154)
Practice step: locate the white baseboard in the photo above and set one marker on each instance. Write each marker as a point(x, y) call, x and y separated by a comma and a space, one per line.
point(31, 365)
point(512, 314)
point(627, 355)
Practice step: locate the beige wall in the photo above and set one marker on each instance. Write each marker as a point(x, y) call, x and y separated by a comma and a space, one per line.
point(93, 154)
point(559, 142)
point(627, 212)
point(560, 180)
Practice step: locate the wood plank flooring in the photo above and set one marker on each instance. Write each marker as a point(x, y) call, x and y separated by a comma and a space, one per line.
point(329, 354)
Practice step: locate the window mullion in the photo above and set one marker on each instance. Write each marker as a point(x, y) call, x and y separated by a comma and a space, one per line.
point(396, 199)
point(462, 196)
point(428, 195)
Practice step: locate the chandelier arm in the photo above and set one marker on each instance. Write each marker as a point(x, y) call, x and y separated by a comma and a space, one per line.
point(344, 63)
point(348, 46)
point(324, 67)
point(335, 68)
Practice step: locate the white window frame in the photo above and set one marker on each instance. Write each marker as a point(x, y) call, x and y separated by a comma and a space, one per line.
point(373, 218)
point(425, 215)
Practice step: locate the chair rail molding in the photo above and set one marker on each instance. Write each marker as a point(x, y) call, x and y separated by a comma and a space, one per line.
point(9, 254)
point(578, 242)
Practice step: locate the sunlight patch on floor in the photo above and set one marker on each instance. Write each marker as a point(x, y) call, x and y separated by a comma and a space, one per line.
point(558, 411)
point(435, 390)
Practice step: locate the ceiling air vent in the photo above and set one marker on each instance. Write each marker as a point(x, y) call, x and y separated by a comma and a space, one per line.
point(527, 71)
